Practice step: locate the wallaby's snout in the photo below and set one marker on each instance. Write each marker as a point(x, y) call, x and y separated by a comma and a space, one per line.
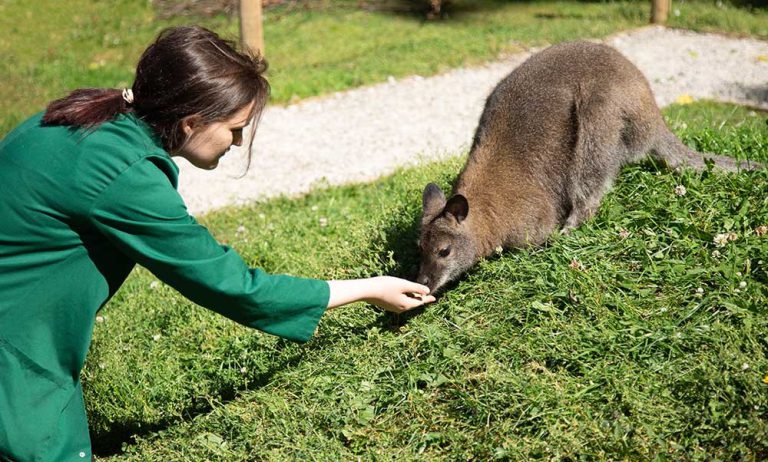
point(447, 249)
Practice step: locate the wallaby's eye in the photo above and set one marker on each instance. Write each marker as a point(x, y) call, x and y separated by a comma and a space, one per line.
point(444, 252)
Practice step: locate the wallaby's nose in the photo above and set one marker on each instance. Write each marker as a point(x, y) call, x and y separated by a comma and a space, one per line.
point(423, 280)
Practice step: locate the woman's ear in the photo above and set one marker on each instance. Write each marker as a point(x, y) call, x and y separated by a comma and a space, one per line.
point(191, 123)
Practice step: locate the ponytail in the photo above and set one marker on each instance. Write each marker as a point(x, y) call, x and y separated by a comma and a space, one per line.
point(87, 107)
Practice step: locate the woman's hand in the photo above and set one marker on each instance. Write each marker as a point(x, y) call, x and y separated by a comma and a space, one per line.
point(388, 293)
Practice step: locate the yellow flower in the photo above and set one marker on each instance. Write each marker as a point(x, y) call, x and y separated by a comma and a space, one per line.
point(765, 379)
point(685, 98)
point(762, 58)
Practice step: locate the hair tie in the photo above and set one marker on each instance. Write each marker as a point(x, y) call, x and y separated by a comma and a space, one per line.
point(128, 95)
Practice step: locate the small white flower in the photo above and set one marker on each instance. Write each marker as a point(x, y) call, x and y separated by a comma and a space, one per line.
point(241, 229)
point(499, 249)
point(99, 319)
point(699, 290)
point(721, 240)
point(154, 284)
point(738, 273)
point(716, 253)
point(314, 208)
point(243, 370)
point(680, 190)
point(623, 233)
point(102, 366)
point(677, 12)
point(323, 221)
point(262, 216)
point(663, 309)
point(156, 337)
point(744, 367)
point(742, 284)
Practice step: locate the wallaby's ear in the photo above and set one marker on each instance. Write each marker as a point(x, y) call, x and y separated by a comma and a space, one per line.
point(432, 202)
point(458, 206)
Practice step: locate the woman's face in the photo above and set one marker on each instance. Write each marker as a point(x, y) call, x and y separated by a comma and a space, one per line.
point(207, 143)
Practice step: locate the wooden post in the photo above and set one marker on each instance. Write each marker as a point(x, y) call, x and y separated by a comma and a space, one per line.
point(660, 11)
point(251, 27)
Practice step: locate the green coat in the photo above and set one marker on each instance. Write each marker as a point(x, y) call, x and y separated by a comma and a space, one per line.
point(77, 211)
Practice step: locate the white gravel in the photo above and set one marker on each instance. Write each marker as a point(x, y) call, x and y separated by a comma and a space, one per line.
point(362, 134)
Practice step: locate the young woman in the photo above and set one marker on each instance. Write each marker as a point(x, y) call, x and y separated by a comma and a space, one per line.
point(88, 190)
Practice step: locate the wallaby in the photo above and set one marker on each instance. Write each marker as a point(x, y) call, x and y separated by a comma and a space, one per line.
point(552, 137)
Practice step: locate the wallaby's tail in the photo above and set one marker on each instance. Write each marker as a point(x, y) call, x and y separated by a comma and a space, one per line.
point(676, 155)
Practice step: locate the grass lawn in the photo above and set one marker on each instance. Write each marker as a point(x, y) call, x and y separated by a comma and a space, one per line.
point(635, 337)
point(54, 47)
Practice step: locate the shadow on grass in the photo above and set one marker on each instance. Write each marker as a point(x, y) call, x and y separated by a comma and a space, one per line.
point(758, 93)
point(110, 442)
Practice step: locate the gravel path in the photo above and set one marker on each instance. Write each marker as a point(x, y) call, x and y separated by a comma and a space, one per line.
point(362, 134)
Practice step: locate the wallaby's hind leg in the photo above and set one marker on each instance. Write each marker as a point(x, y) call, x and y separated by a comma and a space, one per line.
point(598, 154)
point(669, 149)
point(597, 158)
point(586, 198)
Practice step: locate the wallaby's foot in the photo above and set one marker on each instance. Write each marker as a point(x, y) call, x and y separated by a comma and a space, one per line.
point(572, 222)
point(585, 208)
point(577, 217)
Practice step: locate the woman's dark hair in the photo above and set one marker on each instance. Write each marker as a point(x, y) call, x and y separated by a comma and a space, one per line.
point(187, 71)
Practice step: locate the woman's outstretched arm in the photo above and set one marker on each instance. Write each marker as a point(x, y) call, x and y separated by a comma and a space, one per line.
point(387, 292)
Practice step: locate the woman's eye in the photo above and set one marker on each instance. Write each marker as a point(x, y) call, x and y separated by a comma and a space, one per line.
point(444, 252)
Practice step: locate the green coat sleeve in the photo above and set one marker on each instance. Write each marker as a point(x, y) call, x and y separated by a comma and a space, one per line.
point(142, 214)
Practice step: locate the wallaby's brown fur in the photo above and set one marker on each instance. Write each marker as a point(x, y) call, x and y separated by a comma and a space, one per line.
point(551, 139)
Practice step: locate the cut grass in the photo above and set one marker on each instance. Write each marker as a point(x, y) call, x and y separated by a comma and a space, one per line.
point(54, 47)
point(650, 346)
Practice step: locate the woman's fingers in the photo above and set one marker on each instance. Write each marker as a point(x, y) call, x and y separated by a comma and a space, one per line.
point(414, 300)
